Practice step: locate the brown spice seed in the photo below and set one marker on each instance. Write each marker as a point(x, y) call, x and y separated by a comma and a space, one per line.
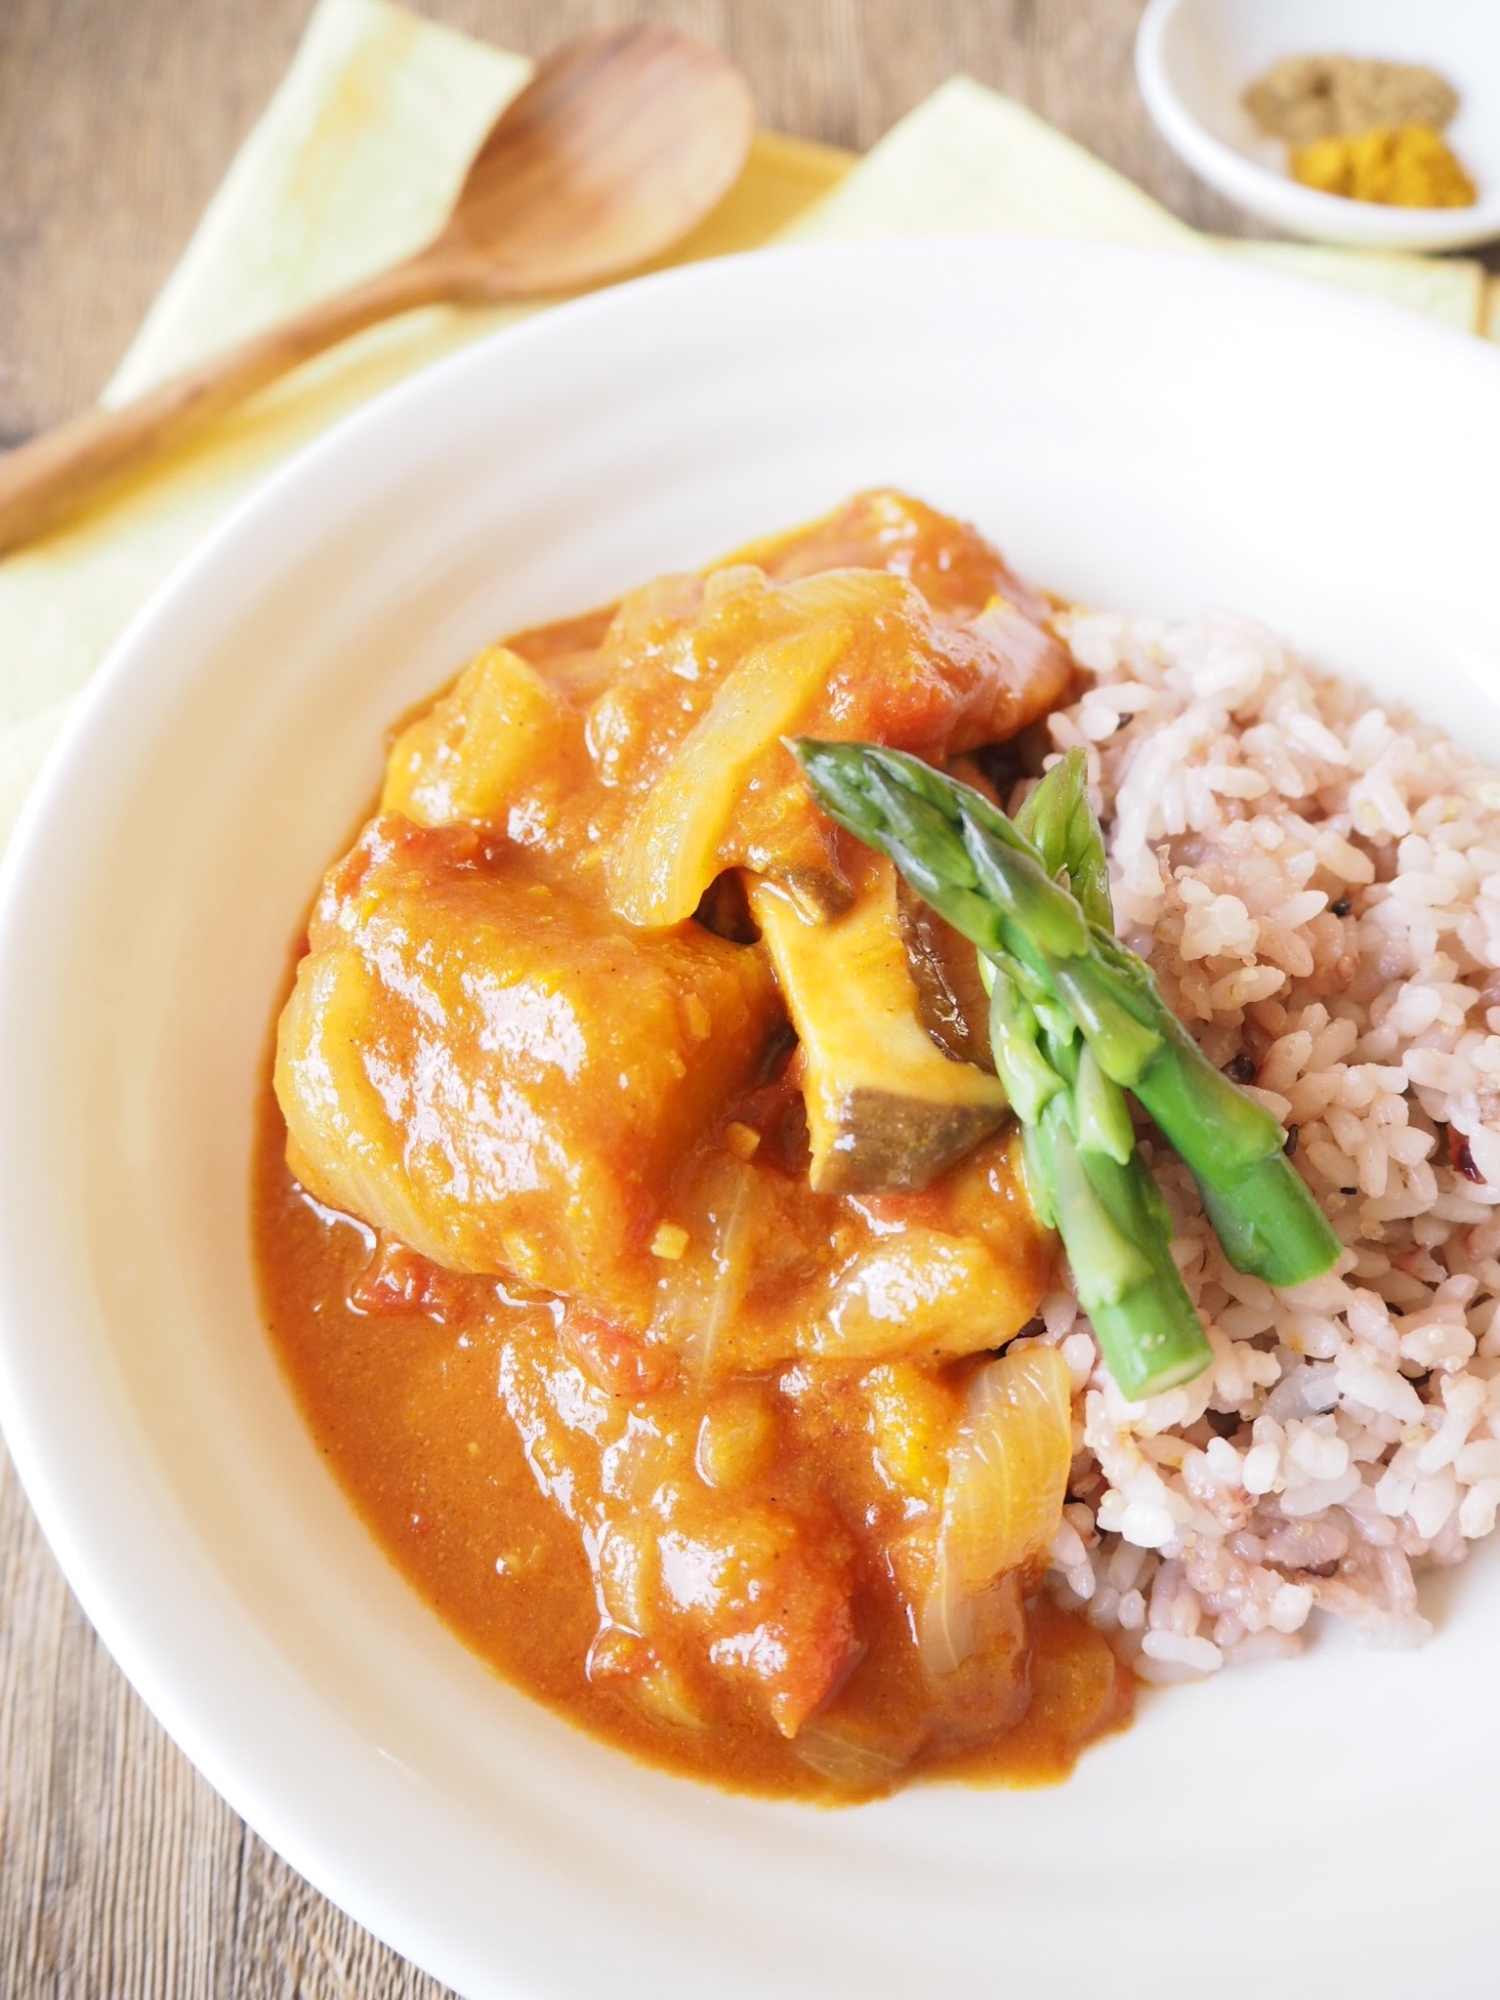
point(1306, 98)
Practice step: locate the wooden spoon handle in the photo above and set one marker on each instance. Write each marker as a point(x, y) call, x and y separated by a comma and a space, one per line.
point(44, 481)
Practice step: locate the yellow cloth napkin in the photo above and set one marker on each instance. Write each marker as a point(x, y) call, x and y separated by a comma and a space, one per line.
point(355, 163)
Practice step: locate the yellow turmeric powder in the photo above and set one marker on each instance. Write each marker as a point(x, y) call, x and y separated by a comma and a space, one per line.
point(1405, 166)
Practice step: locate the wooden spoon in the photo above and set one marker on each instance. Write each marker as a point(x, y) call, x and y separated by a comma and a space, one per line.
point(620, 143)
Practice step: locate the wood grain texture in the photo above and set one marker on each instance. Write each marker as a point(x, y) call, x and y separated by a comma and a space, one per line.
point(122, 1875)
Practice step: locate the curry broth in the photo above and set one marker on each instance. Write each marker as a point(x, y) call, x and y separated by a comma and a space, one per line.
point(404, 1409)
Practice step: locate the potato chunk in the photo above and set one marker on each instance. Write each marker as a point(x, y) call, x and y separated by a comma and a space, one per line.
point(500, 1075)
point(465, 758)
point(728, 1600)
point(956, 1269)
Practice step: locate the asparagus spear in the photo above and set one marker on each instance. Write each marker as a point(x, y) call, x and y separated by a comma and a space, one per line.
point(1081, 1153)
point(983, 874)
point(1118, 1236)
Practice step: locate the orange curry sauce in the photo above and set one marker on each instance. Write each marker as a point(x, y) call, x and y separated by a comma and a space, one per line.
point(641, 1351)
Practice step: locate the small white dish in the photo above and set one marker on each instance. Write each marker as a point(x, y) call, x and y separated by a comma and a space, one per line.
point(1147, 431)
point(1194, 59)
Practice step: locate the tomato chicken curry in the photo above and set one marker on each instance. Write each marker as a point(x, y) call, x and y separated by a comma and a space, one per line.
point(638, 1213)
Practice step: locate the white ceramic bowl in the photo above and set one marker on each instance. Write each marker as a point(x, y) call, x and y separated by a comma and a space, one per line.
point(1145, 431)
point(1195, 57)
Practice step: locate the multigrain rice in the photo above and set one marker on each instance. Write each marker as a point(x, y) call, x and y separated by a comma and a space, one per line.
point(1315, 880)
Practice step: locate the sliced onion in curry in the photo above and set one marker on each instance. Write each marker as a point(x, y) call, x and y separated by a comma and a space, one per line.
point(1007, 1476)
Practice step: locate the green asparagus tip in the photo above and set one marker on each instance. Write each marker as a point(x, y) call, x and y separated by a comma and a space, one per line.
point(1058, 819)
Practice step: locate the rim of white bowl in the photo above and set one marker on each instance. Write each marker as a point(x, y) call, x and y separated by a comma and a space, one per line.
point(1274, 197)
point(177, 1683)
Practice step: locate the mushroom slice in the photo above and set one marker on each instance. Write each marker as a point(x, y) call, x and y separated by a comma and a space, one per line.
point(885, 1107)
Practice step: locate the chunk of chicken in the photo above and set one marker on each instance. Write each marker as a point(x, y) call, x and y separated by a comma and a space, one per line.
point(695, 729)
point(501, 1076)
point(645, 753)
point(950, 563)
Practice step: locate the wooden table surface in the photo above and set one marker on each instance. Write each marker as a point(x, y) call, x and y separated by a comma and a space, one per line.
point(122, 1875)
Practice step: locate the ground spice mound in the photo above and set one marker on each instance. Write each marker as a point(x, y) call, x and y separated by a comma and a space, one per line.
point(1307, 98)
point(1411, 167)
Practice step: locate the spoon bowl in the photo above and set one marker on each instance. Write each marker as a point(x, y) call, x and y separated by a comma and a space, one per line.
point(616, 148)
